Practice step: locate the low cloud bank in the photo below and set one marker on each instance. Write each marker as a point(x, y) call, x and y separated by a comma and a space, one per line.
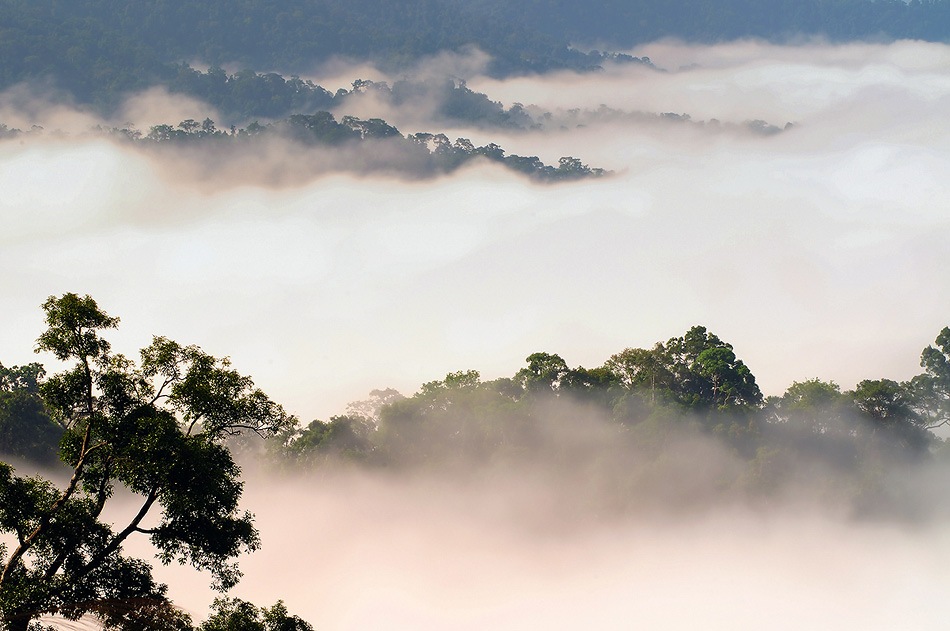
point(558, 536)
point(800, 246)
point(817, 252)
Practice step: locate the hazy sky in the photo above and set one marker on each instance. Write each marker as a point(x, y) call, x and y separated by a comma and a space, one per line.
point(817, 252)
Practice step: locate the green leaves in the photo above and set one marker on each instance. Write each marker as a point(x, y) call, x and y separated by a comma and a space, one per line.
point(73, 322)
point(26, 378)
point(697, 371)
point(208, 394)
point(732, 382)
point(543, 373)
point(26, 431)
point(155, 429)
point(23, 502)
point(933, 387)
point(234, 614)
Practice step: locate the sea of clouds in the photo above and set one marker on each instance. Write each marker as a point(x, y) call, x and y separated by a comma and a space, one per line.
point(819, 251)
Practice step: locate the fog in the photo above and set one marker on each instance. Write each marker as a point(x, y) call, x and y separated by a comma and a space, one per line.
point(819, 251)
point(566, 537)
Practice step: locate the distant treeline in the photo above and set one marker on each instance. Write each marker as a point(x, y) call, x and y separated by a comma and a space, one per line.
point(364, 146)
point(623, 422)
point(246, 94)
point(624, 23)
point(99, 50)
point(632, 424)
point(249, 94)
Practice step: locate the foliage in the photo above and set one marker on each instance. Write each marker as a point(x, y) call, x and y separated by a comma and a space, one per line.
point(154, 430)
point(841, 446)
point(370, 145)
point(697, 371)
point(99, 50)
point(234, 614)
point(157, 430)
point(319, 442)
point(26, 431)
point(931, 390)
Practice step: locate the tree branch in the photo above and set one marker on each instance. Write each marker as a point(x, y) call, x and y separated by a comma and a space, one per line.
point(27, 543)
point(117, 540)
point(161, 390)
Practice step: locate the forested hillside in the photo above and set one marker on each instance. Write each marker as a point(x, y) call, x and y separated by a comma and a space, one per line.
point(622, 23)
point(97, 50)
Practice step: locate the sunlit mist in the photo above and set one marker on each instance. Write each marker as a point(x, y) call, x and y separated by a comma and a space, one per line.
point(818, 250)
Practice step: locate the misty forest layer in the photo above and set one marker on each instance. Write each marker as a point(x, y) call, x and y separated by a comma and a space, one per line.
point(450, 101)
point(670, 428)
point(222, 228)
point(366, 145)
point(691, 383)
point(362, 146)
point(98, 50)
point(641, 402)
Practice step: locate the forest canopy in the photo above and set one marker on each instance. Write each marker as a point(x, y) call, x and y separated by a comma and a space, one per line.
point(168, 430)
point(98, 50)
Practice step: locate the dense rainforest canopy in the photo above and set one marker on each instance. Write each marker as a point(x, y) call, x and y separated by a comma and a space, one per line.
point(98, 50)
point(165, 428)
point(694, 381)
point(363, 146)
point(161, 430)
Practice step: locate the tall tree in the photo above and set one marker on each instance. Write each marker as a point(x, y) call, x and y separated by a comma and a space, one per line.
point(155, 430)
point(932, 389)
point(639, 368)
point(707, 373)
point(543, 373)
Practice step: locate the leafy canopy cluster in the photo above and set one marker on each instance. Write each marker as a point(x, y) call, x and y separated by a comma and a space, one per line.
point(692, 383)
point(368, 145)
point(419, 154)
point(248, 94)
point(154, 431)
point(234, 614)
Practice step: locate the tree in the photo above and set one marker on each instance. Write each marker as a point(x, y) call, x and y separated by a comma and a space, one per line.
point(234, 614)
point(732, 382)
point(347, 435)
point(818, 407)
point(371, 407)
point(155, 430)
point(639, 368)
point(889, 406)
point(543, 373)
point(26, 378)
point(590, 385)
point(707, 372)
point(26, 431)
point(885, 401)
point(931, 390)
